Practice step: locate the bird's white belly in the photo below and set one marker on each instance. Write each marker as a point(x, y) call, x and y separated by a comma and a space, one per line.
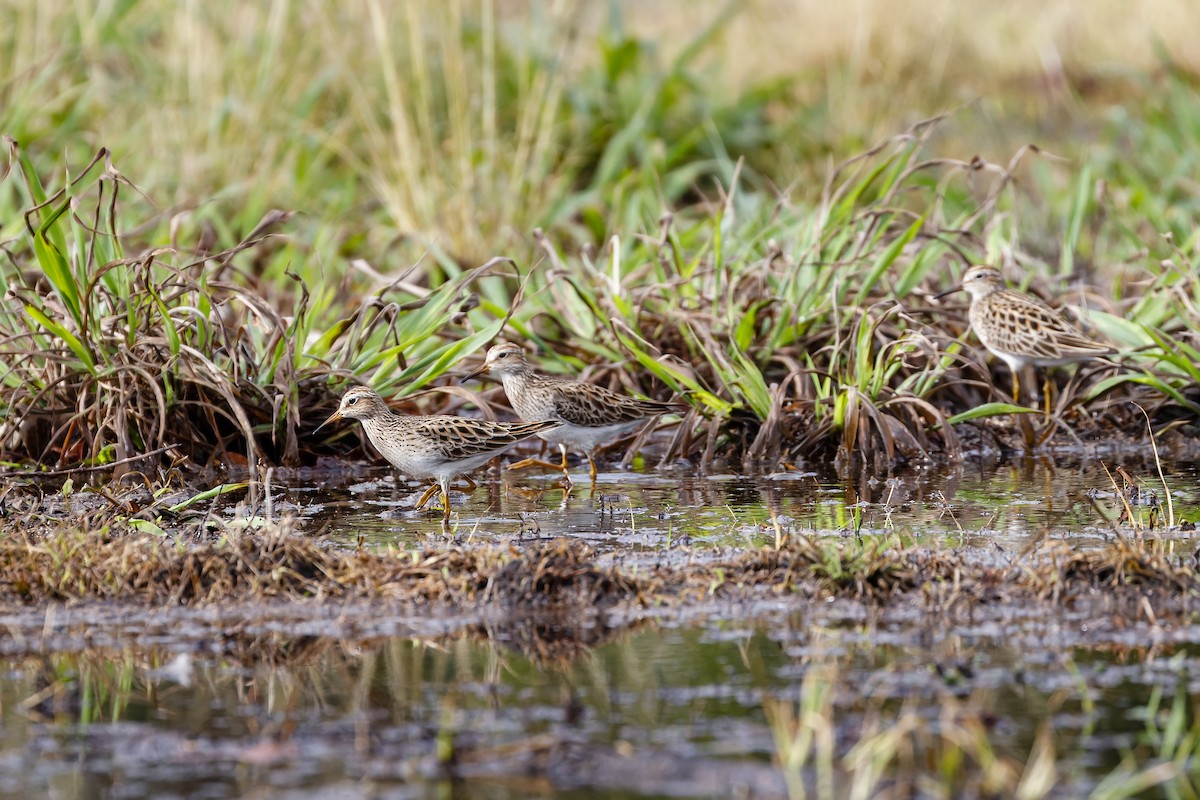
point(578, 437)
point(1017, 361)
point(419, 463)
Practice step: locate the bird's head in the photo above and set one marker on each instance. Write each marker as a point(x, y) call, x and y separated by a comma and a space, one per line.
point(502, 359)
point(357, 403)
point(979, 281)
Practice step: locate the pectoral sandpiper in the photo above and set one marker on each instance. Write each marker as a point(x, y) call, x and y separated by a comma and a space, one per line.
point(439, 447)
point(589, 415)
point(1019, 328)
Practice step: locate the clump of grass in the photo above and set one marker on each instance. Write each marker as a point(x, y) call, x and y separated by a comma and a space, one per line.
point(794, 321)
point(451, 129)
point(880, 570)
point(71, 565)
point(802, 330)
point(108, 357)
point(482, 130)
point(118, 548)
point(797, 332)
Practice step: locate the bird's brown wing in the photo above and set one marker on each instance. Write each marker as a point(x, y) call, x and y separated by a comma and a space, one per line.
point(460, 438)
point(592, 406)
point(1027, 325)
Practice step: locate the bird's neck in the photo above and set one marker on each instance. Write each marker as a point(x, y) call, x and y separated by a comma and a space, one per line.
point(985, 293)
point(376, 429)
point(517, 376)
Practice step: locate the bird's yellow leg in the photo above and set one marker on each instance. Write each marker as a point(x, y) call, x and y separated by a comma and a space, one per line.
point(537, 462)
point(1046, 397)
point(592, 469)
point(471, 485)
point(433, 487)
point(1022, 422)
point(534, 462)
point(444, 486)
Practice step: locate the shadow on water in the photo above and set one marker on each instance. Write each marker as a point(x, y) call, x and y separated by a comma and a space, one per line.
point(360, 701)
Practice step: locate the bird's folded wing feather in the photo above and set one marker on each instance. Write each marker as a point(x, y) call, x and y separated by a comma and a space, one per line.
point(459, 438)
point(1064, 338)
point(589, 405)
point(1062, 335)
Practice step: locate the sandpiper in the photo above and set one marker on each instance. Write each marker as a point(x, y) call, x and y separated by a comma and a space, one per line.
point(589, 415)
point(438, 447)
point(1019, 328)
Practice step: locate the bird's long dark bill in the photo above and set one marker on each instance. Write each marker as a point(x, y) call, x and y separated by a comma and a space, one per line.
point(473, 374)
point(940, 295)
point(334, 417)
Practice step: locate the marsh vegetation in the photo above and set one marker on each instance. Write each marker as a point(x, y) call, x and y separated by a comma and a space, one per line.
point(215, 218)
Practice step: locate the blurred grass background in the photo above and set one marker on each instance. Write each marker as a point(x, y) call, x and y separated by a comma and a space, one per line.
point(464, 125)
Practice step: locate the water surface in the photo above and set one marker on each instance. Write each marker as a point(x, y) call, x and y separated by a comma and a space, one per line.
point(980, 504)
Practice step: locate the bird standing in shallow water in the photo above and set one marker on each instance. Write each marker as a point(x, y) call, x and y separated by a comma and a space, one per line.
point(439, 447)
point(1019, 328)
point(589, 415)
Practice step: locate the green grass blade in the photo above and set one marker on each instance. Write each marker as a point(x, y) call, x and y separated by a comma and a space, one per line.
point(71, 340)
point(991, 410)
point(886, 259)
point(207, 494)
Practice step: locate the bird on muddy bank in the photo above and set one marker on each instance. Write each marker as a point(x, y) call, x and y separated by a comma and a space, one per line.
point(1019, 328)
point(588, 415)
point(437, 447)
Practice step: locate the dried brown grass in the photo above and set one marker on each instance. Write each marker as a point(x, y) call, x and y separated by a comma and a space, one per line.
point(281, 565)
point(876, 572)
point(74, 567)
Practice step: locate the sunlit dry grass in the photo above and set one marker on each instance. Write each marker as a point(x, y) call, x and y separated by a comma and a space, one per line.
point(104, 555)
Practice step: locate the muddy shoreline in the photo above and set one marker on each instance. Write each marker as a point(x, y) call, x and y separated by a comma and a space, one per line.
point(566, 587)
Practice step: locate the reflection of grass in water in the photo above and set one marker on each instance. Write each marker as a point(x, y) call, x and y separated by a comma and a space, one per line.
point(910, 748)
point(898, 748)
point(835, 736)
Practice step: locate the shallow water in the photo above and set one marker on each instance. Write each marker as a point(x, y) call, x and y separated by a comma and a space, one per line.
point(977, 504)
point(673, 711)
point(198, 705)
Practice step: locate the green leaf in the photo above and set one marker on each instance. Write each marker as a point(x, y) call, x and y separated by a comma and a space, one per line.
point(56, 269)
point(752, 385)
point(1153, 381)
point(146, 526)
point(678, 381)
point(1079, 206)
point(208, 494)
point(1123, 332)
point(743, 335)
point(436, 364)
point(72, 341)
point(169, 328)
point(886, 259)
point(991, 410)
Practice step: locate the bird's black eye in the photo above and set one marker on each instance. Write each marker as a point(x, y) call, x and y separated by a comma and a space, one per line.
point(351, 401)
point(502, 355)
